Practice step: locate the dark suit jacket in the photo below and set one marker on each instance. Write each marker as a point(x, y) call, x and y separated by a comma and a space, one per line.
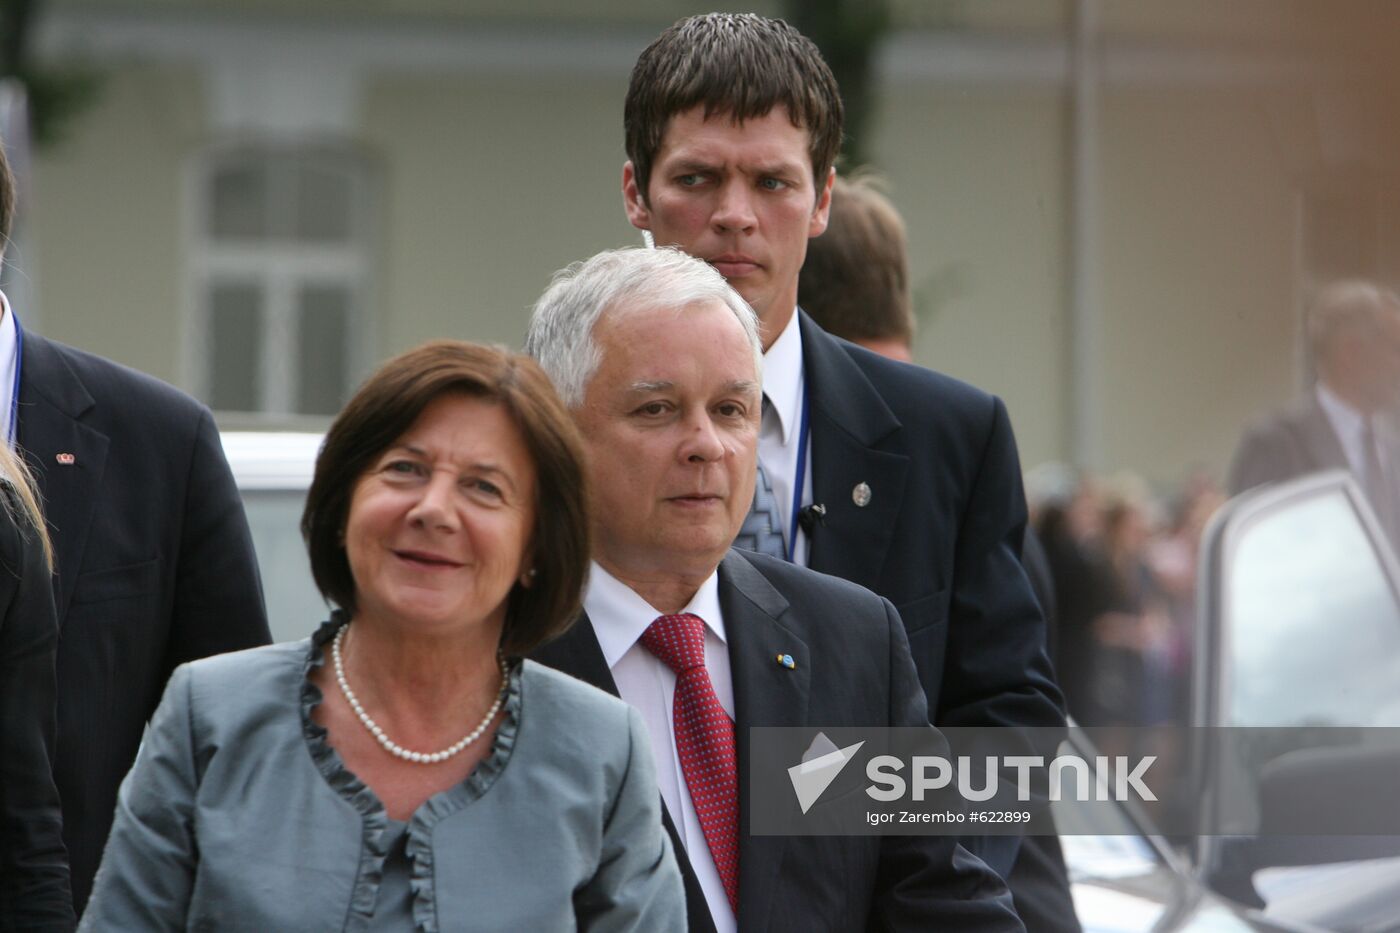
point(1287, 444)
point(1300, 440)
point(154, 563)
point(852, 669)
point(34, 889)
point(940, 537)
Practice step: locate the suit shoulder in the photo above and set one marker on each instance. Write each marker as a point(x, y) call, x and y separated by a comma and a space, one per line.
point(228, 697)
point(570, 696)
point(576, 721)
point(1273, 432)
point(109, 382)
point(809, 588)
point(1279, 421)
point(239, 670)
point(882, 370)
point(924, 396)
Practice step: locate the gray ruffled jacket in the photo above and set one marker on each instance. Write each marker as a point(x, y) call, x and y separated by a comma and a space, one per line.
point(239, 816)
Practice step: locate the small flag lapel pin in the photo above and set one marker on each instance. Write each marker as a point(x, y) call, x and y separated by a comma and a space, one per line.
point(785, 660)
point(66, 459)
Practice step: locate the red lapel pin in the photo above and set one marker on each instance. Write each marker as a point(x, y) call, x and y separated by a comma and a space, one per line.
point(66, 459)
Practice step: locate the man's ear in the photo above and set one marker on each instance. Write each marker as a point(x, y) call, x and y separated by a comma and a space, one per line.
point(638, 214)
point(822, 212)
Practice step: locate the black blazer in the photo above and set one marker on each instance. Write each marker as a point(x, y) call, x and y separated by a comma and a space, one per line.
point(154, 563)
point(34, 889)
point(1299, 440)
point(852, 669)
point(1287, 444)
point(940, 537)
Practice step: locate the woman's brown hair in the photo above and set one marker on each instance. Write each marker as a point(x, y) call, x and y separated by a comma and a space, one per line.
point(388, 404)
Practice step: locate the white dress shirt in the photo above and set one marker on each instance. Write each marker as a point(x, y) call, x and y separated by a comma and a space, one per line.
point(1350, 427)
point(783, 383)
point(9, 360)
point(619, 618)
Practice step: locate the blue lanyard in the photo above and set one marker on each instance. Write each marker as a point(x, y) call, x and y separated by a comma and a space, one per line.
point(14, 396)
point(799, 481)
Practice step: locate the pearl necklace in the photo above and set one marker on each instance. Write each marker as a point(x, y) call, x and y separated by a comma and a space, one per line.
point(389, 745)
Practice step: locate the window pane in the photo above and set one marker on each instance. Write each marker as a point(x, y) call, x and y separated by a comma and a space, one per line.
point(1314, 629)
point(234, 350)
point(322, 204)
point(238, 207)
point(294, 606)
point(322, 366)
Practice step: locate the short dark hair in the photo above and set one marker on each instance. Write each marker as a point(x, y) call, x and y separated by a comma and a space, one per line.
point(388, 404)
point(855, 280)
point(739, 64)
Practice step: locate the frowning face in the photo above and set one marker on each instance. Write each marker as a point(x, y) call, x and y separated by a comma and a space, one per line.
point(740, 196)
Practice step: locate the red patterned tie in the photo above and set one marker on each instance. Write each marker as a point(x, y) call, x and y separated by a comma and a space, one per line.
point(704, 739)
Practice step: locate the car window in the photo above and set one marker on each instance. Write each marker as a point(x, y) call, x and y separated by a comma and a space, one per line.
point(1301, 635)
point(294, 607)
point(1314, 627)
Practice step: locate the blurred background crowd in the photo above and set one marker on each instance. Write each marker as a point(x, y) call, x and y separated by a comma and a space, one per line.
point(1121, 558)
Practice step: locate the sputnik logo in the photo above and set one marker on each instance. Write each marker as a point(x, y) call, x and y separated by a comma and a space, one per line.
point(821, 763)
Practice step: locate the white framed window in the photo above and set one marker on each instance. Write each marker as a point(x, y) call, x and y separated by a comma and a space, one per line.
point(280, 262)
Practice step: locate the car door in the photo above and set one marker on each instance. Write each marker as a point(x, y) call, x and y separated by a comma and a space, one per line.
point(1298, 688)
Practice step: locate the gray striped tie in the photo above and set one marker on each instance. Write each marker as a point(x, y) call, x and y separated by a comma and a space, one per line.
point(762, 531)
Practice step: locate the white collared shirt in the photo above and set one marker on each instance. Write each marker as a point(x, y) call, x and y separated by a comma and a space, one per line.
point(619, 618)
point(783, 384)
point(1350, 427)
point(9, 362)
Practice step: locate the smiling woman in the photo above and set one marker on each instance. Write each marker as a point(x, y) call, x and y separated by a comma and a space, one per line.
point(446, 520)
point(438, 525)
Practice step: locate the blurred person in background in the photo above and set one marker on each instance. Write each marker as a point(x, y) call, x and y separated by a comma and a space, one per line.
point(1353, 330)
point(153, 560)
point(403, 768)
point(1069, 523)
point(855, 279)
point(855, 285)
point(34, 887)
point(1174, 558)
point(1129, 680)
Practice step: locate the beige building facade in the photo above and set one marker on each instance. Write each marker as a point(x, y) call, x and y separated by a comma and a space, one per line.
point(1115, 209)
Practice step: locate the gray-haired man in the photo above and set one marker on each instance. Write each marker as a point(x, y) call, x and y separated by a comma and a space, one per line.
point(659, 361)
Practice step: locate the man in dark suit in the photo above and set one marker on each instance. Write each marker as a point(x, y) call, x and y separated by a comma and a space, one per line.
point(898, 478)
point(153, 559)
point(659, 361)
point(855, 285)
point(1345, 422)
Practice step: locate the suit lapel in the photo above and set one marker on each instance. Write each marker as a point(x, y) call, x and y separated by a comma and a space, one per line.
point(766, 693)
point(52, 403)
point(848, 420)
